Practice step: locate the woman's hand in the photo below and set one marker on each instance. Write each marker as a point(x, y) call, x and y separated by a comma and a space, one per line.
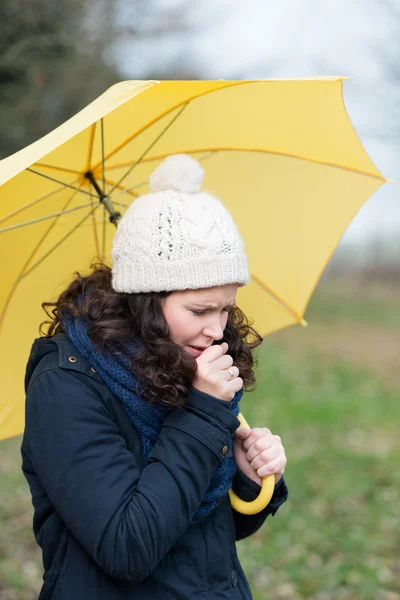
point(259, 453)
point(216, 374)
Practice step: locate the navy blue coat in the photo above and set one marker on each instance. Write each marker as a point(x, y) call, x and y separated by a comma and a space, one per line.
point(110, 528)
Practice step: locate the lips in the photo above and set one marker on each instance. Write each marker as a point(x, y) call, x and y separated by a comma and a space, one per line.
point(195, 351)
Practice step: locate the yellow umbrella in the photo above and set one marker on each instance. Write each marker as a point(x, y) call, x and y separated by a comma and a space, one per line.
point(281, 154)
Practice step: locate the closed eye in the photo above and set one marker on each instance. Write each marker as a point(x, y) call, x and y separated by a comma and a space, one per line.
point(199, 313)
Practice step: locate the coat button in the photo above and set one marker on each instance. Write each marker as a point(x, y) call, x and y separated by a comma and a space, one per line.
point(72, 359)
point(234, 578)
point(224, 450)
point(93, 370)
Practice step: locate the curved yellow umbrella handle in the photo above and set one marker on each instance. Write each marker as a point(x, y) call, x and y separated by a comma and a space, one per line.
point(263, 498)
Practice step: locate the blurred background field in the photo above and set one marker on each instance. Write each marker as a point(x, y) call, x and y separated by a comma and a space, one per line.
point(332, 392)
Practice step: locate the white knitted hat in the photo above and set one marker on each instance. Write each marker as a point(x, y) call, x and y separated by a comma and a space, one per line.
point(177, 237)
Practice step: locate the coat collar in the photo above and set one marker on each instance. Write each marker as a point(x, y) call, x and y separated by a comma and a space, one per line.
point(65, 353)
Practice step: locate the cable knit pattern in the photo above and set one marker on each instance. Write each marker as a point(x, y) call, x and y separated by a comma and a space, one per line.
point(148, 418)
point(177, 237)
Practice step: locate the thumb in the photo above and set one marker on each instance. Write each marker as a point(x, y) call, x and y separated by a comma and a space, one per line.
point(243, 433)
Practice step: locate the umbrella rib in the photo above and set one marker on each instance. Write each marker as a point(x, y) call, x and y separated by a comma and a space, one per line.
point(93, 219)
point(55, 168)
point(128, 190)
point(281, 301)
point(216, 149)
point(171, 109)
point(123, 189)
point(104, 231)
point(102, 155)
point(101, 217)
point(103, 248)
point(120, 165)
point(62, 183)
point(26, 206)
point(276, 152)
point(188, 100)
point(150, 159)
point(40, 219)
point(96, 239)
point(28, 261)
point(196, 96)
point(60, 242)
point(150, 146)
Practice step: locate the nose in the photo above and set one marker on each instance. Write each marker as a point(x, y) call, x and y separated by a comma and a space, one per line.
point(215, 327)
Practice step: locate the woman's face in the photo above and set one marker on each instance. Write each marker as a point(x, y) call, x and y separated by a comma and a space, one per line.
point(197, 318)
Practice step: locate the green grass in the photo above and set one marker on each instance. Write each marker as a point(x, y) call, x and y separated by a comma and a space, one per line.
point(356, 302)
point(20, 558)
point(338, 535)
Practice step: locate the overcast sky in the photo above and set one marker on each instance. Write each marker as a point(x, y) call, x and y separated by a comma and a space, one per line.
point(224, 39)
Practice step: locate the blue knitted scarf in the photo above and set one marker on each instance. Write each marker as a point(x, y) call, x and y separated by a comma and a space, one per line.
point(115, 371)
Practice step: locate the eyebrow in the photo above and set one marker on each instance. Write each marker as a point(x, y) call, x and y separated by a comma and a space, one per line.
point(210, 304)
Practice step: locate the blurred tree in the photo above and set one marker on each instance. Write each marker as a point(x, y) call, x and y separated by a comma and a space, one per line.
point(53, 61)
point(56, 57)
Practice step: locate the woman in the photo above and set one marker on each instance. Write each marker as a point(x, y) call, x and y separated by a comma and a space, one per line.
point(131, 440)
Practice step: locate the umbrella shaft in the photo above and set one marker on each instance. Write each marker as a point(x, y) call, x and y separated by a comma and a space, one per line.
point(114, 215)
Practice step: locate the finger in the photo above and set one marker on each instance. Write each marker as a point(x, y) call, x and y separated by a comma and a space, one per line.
point(231, 372)
point(262, 445)
point(235, 385)
point(258, 432)
point(264, 458)
point(213, 352)
point(223, 362)
point(243, 432)
point(274, 467)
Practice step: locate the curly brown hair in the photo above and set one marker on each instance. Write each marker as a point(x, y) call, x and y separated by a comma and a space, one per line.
point(164, 369)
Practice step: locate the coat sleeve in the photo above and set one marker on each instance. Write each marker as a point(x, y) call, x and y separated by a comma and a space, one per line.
point(126, 520)
point(248, 490)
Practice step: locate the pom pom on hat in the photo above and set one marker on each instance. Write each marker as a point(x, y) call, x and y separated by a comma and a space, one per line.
point(179, 172)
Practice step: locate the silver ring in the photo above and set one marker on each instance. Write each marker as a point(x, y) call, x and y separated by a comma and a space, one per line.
point(232, 374)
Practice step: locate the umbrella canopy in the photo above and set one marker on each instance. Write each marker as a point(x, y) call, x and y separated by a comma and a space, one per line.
point(282, 155)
